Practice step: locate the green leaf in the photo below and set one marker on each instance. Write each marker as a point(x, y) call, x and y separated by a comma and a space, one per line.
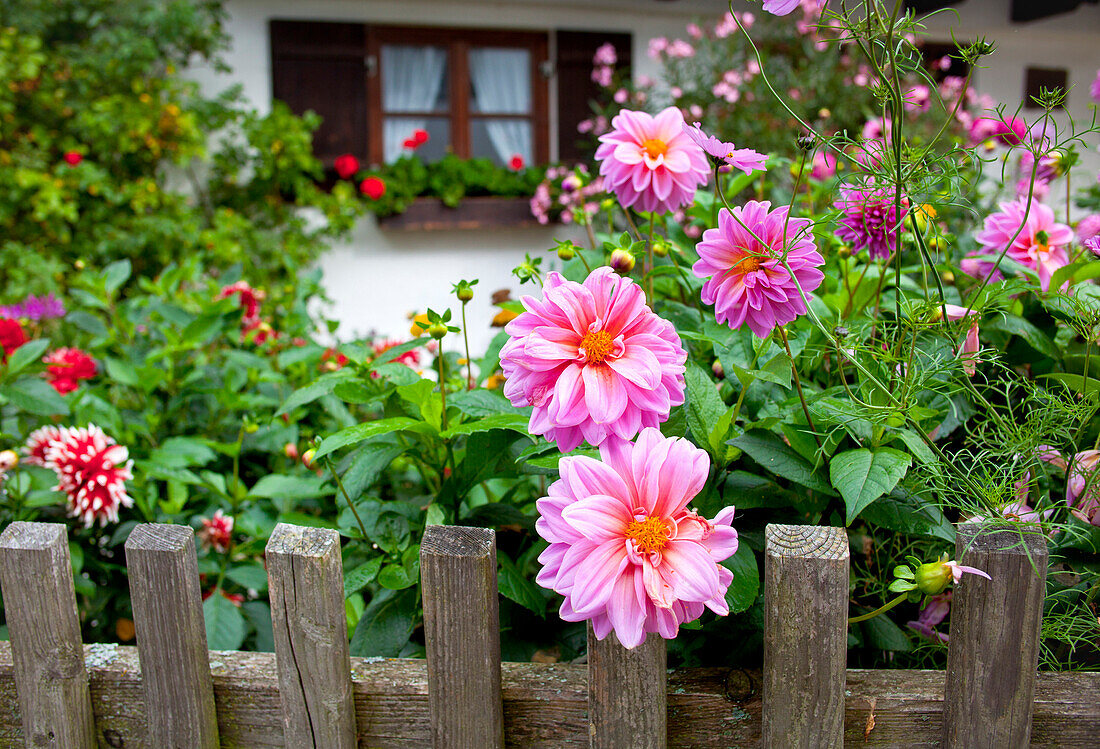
point(480, 402)
point(323, 385)
point(225, 627)
point(778, 457)
point(251, 576)
point(906, 514)
point(361, 576)
point(367, 465)
point(881, 633)
point(26, 355)
point(902, 586)
point(386, 624)
point(114, 275)
point(182, 451)
point(745, 586)
point(548, 464)
point(511, 421)
point(421, 394)
point(390, 354)
point(1034, 337)
point(903, 572)
point(258, 614)
point(87, 322)
point(704, 406)
point(515, 587)
point(367, 430)
point(397, 577)
point(122, 372)
point(278, 486)
point(34, 395)
point(355, 391)
point(862, 476)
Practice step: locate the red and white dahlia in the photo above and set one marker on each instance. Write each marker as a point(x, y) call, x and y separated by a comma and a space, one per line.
point(92, 470)
point(38, 442)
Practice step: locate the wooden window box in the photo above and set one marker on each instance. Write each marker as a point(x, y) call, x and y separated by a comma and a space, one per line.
point(430, 214)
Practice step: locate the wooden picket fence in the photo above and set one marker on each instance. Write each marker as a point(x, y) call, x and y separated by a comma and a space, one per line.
point(170, 691)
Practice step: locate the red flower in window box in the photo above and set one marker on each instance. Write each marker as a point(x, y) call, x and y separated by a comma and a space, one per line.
point(516, 163)
point(346, 165)
point(420, 136)
point(373, 188)
point(11, 336)
point(72, 158)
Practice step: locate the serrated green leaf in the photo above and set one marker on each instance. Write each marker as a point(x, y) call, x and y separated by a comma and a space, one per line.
point(251, 576)
point(278, 486)
point(513, 422)
point(704, 406)
point(862, 476)
point(386, 624)
point(323, 385)
point(367, 430)
point(515, 587)
point(34, 395)
point(1034, 337)
point(779, 458)
point(27, 354)
point(745, 586)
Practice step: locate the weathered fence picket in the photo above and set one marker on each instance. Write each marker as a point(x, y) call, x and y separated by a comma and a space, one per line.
point(40, 605)
point(458, 573)
point(805, 636)
point(171, 637)
point(310, 693)
point(994, 646)
point(306, 586)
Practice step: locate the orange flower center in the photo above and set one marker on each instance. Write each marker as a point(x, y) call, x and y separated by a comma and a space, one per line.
point(655, 147)
point(648, 535)
point(597, 344)
point(748, 264)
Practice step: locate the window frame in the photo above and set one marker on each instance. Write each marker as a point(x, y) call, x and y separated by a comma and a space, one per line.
point(457, 42)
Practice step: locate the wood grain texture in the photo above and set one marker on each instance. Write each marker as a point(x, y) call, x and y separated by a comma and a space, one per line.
point(306, 583)
point(40, 608)
point(627, 693)
point(994, 648)
point(545, 705)
point(171, 637)
point(805, 636)
point(458, 578)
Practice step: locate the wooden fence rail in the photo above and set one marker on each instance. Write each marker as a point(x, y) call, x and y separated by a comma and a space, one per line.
point(170, 692)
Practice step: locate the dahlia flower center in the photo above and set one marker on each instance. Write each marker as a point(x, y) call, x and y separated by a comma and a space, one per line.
point(597, 345)
point(649, 535)
point(655, 147)
point(749, 263)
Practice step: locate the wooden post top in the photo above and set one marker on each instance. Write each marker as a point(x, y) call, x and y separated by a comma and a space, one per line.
point(994, 536)
point(815, 541)
point(32, 536)
point(302, 541)
point(160, 537)
point(457, 541)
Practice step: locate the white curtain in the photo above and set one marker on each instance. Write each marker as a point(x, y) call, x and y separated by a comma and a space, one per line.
point(411, 80)
point(502, 85)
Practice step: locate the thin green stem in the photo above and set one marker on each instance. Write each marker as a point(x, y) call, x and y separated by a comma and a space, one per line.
point(351, 505)
point(469, 361)
point(798, 385)
point(880, 610)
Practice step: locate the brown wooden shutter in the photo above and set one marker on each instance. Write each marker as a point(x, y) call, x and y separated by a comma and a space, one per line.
point(575, 86)
point(320, 66)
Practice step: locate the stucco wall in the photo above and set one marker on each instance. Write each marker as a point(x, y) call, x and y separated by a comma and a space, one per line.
point(379, 275)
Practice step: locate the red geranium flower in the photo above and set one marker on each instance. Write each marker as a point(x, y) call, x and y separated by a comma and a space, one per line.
point(72, 158)
point(346, 165)
point(11, 336)
point(373, 187)
point(516, 163)
point(420, 136)
point(250, 298)
point(66, 367)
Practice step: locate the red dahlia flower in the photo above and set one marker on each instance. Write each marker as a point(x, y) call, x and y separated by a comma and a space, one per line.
point(66, 367)
point(373, 188)
point(217, 531)
point(11, 337)
point(38, 442)
point(73, 158)
point(92, 470)
point(346, 165)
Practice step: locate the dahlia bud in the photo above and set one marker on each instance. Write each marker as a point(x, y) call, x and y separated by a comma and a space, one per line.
point(660, 247)
point(291, 450)
point(932, 578)
point(622, 261)
point(844, 252)
point(805, 142)
point(307, 458)
point(465, 294)
point(719, 372)
point(948, 277)
point(8, 460)
point(565, 251)
point(437, 330)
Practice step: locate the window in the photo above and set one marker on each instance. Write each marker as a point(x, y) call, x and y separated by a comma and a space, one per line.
point(475, 92)
point(1037, 79)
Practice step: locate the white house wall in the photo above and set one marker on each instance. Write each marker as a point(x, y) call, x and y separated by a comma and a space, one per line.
point(378, 276)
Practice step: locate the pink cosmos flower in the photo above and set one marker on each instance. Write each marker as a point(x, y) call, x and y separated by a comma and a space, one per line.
point(870, 219)
point(625, 550)
point(1092, 244)
point(1088, 227)
point(781, 7)
point(1083, 487)
point(968, 351)
point(824, 165)
point(1040, 244)
point(605, 55)
point(217, 531)
point(1094, 89)
point(593, 360)
point(1010, 130)
point(741, 258)
point(745, 159)
point(957, 571)
point(92, 470)
point(649, 162)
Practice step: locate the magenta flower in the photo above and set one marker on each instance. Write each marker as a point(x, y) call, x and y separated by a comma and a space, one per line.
point(969, 350)
point(742, 260)
point(1087, 228)
point(625, 550)
point(1040, 244)
point(745, 159)
point(35, 308)
point(870, 219)
point(824, 165)
point(933, 613)
point(650, 163)
point(605, 55)
point(592, 360)
point(1092, 244)
point(957, 571)
point(1094, 89)
point(1010, 130)
point(1082, 490)
point(781, 7)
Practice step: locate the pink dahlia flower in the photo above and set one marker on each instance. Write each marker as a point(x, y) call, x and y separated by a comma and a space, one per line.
point(1094, 89)
point(1082, 490)
point(625, 550)
point(824, 165)
point(592, 360)
point(38, 442)
point(742, 260)
point(870, 219)
point(650, 163)
point(745, 159)
point(217, 531)
point(781, 7)
point(1040, 244)
point(933, 613)
point(92, 470)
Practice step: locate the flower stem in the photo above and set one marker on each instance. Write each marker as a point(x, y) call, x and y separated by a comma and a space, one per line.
point(798, 385)
point(649, 252)
point(351, 505)
point(469, 362)
point(442, 386)
point(880, 610)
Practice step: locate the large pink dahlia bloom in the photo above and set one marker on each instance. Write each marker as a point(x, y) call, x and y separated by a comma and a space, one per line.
point(870, 220)
point(650, 163)
point(1040, 244)
point(625, 550)
point(742, 259)
point(592, 360)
